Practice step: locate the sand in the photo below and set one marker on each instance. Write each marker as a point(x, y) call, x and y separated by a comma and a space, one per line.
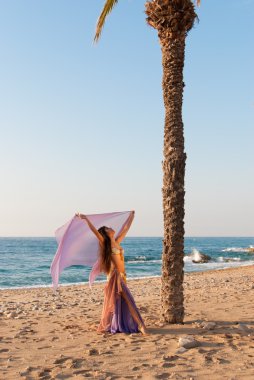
point(53, 336)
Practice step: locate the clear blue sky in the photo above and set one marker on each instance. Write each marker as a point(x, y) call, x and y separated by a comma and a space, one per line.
point(82, 124)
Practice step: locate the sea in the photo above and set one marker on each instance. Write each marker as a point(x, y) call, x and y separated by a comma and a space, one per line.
point(25, 262)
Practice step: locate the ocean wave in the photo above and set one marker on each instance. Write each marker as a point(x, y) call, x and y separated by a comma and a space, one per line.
point(188, 259)
point(238, 249)
point(197, 257)
point(221, 259)
point(138, 258)
point(216, 265)
point(143, 261)
point(228, 259)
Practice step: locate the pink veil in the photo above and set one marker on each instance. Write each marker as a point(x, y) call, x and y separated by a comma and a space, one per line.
point(78, 245)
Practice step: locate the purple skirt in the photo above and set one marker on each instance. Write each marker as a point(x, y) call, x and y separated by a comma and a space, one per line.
point(120, 313)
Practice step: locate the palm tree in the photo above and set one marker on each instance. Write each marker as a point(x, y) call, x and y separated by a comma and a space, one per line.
point(172, 19)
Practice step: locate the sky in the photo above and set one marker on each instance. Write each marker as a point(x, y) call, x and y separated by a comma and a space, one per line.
point(82, 123)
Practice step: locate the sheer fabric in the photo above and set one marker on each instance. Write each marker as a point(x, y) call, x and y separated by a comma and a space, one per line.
point(77, 244)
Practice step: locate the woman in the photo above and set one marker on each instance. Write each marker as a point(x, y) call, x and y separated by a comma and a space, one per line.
point(120, 313)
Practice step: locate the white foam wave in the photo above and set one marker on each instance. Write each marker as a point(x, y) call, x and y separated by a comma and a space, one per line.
point(228, 259)
point(188, 259)
point(39, 286)
point(195, 255)
point(137, 259)
point(143, 261)
point(214, 265)
point(238, 249)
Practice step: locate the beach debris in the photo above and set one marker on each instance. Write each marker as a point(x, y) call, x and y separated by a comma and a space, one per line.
point(188, 341)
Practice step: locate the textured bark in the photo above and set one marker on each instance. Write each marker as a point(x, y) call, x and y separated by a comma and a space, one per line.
point(173, 19)
point(173, 180)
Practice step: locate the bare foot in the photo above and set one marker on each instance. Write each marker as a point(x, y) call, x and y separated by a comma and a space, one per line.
point(143, 330)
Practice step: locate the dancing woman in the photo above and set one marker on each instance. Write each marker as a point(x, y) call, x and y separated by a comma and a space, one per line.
point(119, 313)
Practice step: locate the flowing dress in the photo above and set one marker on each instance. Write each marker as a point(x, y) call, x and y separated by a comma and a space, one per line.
point(119, 312)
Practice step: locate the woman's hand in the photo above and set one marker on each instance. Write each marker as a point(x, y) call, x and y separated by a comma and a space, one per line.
point(81, 216)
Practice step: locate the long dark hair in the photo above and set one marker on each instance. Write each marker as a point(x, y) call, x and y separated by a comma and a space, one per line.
point(106, 250)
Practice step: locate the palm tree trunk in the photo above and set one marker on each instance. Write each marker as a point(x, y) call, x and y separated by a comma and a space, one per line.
point(173, 19)
point(173, 178)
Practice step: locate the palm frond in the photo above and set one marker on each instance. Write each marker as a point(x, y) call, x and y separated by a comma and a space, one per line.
point(108, 6)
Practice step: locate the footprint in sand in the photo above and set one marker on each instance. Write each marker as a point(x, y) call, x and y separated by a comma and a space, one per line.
point(44, 347)
point(221, 361)
point(170, 358)
point(108, 352)
point(61, 376)
point(45, 374)
point(62, 360)
point(54, 338)
point(116, 345)
point(92, 351)
point(163, 375)
point(81, 372)
point(78, 363)
point(167, 365)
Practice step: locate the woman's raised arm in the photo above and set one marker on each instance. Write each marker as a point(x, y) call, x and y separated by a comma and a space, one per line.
point(122, 233)
point(92, 228)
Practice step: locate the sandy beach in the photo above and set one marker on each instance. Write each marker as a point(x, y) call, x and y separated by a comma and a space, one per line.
point(53, 336)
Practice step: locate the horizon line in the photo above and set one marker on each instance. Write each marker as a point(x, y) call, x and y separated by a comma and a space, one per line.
point(138, 236)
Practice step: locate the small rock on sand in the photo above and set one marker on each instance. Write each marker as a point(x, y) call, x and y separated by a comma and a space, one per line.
point(208, 325)
point(188, 342)
point(181, 350)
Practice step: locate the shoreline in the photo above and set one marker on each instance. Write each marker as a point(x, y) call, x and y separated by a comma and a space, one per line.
point(128, 278)
point(46, 335)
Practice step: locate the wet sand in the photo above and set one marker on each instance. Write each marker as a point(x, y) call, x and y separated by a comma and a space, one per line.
point(53, 336)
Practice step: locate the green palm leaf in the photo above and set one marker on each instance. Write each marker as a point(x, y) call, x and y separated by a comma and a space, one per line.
point(108, 6)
